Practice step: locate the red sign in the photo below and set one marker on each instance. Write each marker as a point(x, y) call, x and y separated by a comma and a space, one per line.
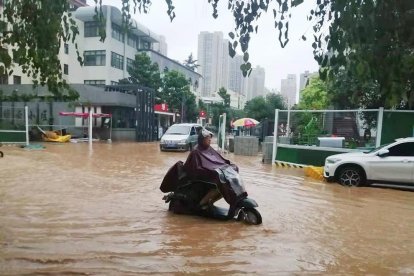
point(202, 114)
point(161, 107)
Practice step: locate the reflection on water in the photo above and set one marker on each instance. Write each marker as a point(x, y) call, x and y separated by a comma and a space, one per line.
point(70, 210)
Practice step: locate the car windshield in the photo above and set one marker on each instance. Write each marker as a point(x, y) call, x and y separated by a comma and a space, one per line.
point(178, 130)
point(376, 149)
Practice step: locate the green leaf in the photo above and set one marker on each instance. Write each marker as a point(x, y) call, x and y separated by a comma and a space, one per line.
point(231, 34)
point(232, 52)
point(246, 57)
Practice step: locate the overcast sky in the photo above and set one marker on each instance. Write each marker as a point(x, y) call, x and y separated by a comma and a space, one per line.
point(194, 16)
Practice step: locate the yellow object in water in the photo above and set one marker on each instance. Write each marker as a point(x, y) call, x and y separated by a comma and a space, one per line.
point(314, 172)
point(52, 136)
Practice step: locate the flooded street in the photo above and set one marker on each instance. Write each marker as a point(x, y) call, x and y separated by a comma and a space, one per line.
point(69, 210)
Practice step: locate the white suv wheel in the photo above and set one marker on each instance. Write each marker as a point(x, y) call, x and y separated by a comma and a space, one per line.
point(351, 176)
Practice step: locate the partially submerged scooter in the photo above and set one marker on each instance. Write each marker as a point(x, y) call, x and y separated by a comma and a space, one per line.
point(186, 195)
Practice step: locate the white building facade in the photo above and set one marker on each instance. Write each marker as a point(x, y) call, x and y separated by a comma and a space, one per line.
point(105, 63)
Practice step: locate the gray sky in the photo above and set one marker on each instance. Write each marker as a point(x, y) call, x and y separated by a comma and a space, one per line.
point(194, 16)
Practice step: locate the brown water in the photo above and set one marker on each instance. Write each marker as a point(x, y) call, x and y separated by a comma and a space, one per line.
point(69, 210)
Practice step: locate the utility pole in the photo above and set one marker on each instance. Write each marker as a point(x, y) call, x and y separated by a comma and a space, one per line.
point(182, 108)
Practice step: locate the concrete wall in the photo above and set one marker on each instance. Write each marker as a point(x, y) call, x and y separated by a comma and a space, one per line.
point(246, 145)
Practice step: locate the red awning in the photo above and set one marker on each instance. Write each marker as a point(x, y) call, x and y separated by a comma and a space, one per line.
point(84, 114)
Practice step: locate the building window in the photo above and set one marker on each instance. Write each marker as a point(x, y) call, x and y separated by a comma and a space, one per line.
point(132, 41)
point(94, 82)
point(114, 83)
point(65, 69)
point(117, 33)
point(117, 61)
point(129, 63)
point(17, 80)
point(66, 48)
point(146, 45)
point(4, 79)
point(94, 58)
point(91, 29)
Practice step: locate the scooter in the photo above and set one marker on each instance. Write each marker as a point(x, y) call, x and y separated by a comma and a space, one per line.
point(186, 198)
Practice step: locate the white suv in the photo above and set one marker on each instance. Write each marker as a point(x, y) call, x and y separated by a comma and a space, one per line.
point(392, 163)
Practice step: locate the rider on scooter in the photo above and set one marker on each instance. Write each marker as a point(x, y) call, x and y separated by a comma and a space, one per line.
point(205, 163)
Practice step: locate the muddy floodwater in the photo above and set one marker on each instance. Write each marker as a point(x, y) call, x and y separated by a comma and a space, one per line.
point(71, 210)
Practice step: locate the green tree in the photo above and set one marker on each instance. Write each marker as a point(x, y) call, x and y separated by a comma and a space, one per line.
point(372, 43)
point(35, 30)
point(314, 96)
point(346, 91)
point(175, 91)
point(143, 72)
point(274, 101)
point(202, 105)
point(261, 107)
point(191, 63)
point(226, 97)
point(216, 109)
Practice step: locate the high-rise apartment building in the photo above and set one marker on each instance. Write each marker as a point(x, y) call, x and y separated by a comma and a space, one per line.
point(256, 83)
point(288, 89)
point(210, 58)
point(220, 70)
point(235, 75)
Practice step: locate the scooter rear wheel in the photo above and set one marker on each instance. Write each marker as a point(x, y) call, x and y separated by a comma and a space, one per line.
point(250, 216)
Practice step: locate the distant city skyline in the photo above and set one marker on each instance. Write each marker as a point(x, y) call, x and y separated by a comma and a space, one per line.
point(219, 70)
point(192, 17)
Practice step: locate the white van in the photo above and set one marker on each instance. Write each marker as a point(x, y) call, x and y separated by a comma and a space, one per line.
point(180, 137)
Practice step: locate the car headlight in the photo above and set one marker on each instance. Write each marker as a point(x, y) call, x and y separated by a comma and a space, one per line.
point(162, 141)
point(183, 141)
point(332, 160)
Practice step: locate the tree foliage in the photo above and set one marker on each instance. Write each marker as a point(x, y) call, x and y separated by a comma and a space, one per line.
point(143, 72)
point(314, 96)
point(175, 91)
point(371, 43)
point(261, 107)
point(346, 91)
point(36, 30)
point(191, 63)
point(226, 97)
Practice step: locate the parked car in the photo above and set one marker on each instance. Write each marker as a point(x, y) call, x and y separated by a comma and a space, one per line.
point(392, 163)
point(180, 137)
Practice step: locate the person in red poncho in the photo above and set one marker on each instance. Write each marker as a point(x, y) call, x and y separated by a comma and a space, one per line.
point(205, 163)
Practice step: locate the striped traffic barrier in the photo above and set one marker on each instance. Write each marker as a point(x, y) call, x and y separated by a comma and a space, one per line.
point(289, 165)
